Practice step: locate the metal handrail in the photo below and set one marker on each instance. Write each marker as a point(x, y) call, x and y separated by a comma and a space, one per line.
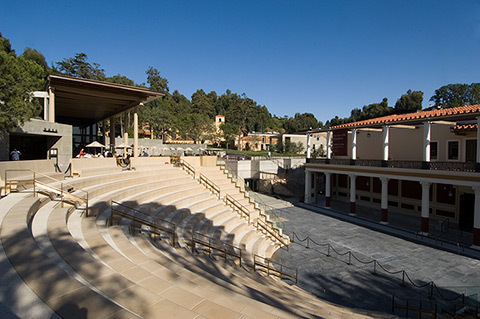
point(209, 184)
point(236, 206)
point(207, 241)
point(171, 229)
point(266, 210)
point(415, 308)
point(188, 167)
point(262, 262)
point(65, 191)
point(272, 231)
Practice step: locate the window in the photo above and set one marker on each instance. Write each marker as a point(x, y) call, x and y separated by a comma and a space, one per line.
point(453, 152)
point(433, 150)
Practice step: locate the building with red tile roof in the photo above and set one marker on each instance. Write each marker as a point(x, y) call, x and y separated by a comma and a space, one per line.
point(424, 164)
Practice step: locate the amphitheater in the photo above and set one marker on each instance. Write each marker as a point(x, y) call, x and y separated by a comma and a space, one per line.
point(161, 239)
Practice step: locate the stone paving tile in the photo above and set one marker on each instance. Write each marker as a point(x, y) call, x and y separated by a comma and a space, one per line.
point(332, 279)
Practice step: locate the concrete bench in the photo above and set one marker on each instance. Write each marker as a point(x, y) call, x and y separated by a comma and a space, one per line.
point(93, 166)
point(21, 173)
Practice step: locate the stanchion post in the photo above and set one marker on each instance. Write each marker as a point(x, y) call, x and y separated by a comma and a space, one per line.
point(403, 277)
point(328, 250)
point(375, 267)
point(349, 258)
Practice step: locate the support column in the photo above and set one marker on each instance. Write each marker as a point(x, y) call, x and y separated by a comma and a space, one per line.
point(112, 134)
point(135, 132)
point(308, 186)
point(354, 144)
point(352, 194)
point(425, 228)
point(329, 145)
point(308, 145)
point(328, 189)
point(427, 128)
point(476, 219)
point(125, 132)
point(51, 104)
point(384, 200)
point(386, 140)
point(477, 162)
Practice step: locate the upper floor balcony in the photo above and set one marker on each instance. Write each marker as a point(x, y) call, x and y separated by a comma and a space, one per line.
point(442, 140)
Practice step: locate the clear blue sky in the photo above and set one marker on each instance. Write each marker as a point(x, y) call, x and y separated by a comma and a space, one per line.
point(319, 56)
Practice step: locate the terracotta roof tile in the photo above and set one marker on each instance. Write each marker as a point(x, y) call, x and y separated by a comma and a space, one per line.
point(398, 118)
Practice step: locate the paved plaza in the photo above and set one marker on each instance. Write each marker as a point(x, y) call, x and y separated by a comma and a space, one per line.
point(355, 285)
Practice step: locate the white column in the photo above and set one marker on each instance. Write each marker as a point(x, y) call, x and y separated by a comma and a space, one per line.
point(51, 104)
point(308, 186)
point(425, 207)
point(308, 145)
point(427, 127)
point(125, 132)
point(45, 108)
point(476, 218)
point(328, 188)
point(135, 132)
point(384, 200)
point(352, 194)
point(354, 144)
point(386, 139)
point(329, 145)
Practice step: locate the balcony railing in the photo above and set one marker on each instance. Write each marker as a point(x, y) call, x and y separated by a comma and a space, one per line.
point(441, 166)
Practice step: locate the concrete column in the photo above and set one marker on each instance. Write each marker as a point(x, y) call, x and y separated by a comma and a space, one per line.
point(112, 134)
point(425, 228)
point(354, 144)
point(384, 200)
point(308, 145)
point(125, 131)
point(427, 127)
point(476, 219)
point(135, 133)
point(308, 186)
point(46, 101)
point(352, 194)
point(51, 104)
point(328, 189)
point(386, 139)
point(329, 145)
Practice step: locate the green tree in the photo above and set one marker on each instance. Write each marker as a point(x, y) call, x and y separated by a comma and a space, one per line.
point(409, 102)
point(37, 57)
point(195, 126)
point(454, 95)
point(79, 67)
point(5, 46)
point(120, 79)
point(203, 104)
point(19, 77)
point(156, 82)
point(229, 131)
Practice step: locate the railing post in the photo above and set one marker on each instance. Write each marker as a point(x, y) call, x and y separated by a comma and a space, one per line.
point(375, 267)
point(328, 250)
point(349, 258)
point(61, 194)
point(308, 242)
point(403, 278)
point(431, 289)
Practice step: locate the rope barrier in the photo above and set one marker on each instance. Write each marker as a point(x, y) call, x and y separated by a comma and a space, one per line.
point(376, 263)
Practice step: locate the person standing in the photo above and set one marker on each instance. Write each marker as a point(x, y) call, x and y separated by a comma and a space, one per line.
point(15, 155)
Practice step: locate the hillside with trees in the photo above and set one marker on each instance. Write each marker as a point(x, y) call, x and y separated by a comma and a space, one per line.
point(189, 117)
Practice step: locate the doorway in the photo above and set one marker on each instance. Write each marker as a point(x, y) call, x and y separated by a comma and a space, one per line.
point(467, 206)
point(471, 151)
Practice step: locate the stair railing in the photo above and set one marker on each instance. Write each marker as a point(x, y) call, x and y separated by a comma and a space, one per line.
point(236, 206)
point(65, 191)
point(209, 185)
point(268, 266)
point(156, 226)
